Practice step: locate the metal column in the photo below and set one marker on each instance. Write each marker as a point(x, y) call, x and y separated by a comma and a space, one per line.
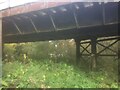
point(118, 50)
point(77, 41)
point(0, 50)
point(93, 53)
point(118, 62)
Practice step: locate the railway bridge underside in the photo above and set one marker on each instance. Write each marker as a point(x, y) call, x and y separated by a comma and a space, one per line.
point(95, 22)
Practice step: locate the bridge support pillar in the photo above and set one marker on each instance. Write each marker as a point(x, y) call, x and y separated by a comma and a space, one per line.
point(119, 61)
point(93, 53)
point(118, 50)
point(0, 49)
point(77, 41)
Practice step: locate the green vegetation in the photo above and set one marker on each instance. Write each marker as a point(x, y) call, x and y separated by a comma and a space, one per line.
point(52, 65)
point(49, 74)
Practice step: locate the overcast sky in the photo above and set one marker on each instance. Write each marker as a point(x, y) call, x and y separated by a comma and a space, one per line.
point(11, 3)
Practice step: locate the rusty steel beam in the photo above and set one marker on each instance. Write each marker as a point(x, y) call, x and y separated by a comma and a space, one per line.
point(30, 7)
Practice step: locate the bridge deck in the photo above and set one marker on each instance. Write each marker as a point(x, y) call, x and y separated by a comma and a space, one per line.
point(73, 20)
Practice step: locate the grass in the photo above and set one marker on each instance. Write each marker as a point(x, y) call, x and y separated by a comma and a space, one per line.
point(48, 74)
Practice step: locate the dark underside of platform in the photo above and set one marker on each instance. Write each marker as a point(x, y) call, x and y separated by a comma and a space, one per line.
point(82, 33)
point(73, 21)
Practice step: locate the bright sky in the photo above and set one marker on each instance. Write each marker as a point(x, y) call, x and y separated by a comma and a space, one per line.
point(11, 3)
